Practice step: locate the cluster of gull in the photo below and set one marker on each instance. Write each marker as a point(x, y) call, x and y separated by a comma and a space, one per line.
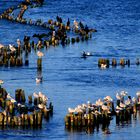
point(16, 112)
point(42, 99)
point(107, 104)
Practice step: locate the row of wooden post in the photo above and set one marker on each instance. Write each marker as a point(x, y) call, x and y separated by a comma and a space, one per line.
point(78, 120)
point(114, 63)
point(51, 25)
point(20, 113)
point(91, 119)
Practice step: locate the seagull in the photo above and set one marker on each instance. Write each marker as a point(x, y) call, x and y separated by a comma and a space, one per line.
point(118, 108)
point(1, 46)
point(70, 110)
point(84, 105)
point(13, 100)
point(83, 109)
point(123, 93)
point(43, 97)
point(40, 94)
point(40, 54)
point(78, 110)
point(108, 98)
point(35, 95)
point(1, 82)
point(118, 96)
point(88, 102)
point(9, 96)
point(105, 108)
point(117, 111)
point(84, 54)
point(4, 113)
point(134, 100)
point(103, 66)
point(127, 102)
point(38, 80)
point(79, 106)
point(88, 53)
point(12, 48)
point(138, 93)
point(75, 24)
point(97, 112)
point(18, 42)
point(99, 102)
point(122, 105)
point(40, 106)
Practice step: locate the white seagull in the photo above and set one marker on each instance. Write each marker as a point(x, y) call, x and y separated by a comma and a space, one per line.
point(103, 66)
point(40, 54)
point(108, 98)
point(35, 95)
point(1, 82)
point(123, 93)
point(38, 80)
point(118, 96)
point(99, 102)
point(138, 93)
point(1, 46)
point(127, 102)
point(12, 48)
point(134, 100)
point(70, 110)
point(122, 105)
point(105, 108)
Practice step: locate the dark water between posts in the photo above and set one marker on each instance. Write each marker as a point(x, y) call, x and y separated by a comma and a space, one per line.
point(69, 80)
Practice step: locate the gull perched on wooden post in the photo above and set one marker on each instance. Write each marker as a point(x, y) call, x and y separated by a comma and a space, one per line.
point(38, 80)
point(18, 42)
point(118, 96)
point(99, 102)
point(39, 60)
point(138, 93)
point(1, 46)
point(12, 48)
point(40, 54)
point(70, 110)
point(123, 93)
point(1, 82)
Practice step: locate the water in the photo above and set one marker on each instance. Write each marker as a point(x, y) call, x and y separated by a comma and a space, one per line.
point(69, 80)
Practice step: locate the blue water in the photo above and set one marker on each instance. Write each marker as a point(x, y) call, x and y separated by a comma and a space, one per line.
point(69, 80)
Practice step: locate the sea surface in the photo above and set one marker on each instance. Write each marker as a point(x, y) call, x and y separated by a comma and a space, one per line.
point(69, 80)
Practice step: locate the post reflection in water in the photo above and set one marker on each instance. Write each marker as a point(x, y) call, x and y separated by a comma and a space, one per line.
point(131, 122)
point(90, 130)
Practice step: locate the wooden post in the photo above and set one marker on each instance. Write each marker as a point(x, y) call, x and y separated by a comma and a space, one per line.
point(30, 99)
point(39, 63)
point(67, 120)
point(114, 62)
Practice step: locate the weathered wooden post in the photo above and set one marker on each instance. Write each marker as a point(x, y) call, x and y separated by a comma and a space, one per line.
point(114, 62)
point(122, 62)
point(39, 60)
point(30, 99)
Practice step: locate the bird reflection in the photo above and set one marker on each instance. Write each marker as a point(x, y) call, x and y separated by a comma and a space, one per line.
point(39, 77)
